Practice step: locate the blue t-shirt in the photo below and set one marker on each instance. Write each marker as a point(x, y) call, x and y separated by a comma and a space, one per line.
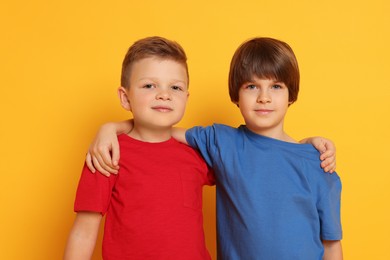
point(273, 199)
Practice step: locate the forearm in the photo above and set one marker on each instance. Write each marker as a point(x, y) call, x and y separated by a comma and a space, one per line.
point(332, 250)
point(103, 154)
point(179, 134)
point(121, 127)
point(79, 248)
point(82, 237)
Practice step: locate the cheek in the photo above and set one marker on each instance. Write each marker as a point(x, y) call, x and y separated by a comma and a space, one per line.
point(246, 101)
point(139, 103)
point(181, 99)
point(182, 105)
point(283, 104)
point(244, 109)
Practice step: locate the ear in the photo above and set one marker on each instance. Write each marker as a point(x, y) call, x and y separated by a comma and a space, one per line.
point(124, 99)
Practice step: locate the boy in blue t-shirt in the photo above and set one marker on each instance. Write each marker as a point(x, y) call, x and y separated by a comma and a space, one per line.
point(273, 200)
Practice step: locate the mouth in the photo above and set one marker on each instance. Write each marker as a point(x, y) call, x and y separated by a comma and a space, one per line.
point(263, 111)
point(163, 109)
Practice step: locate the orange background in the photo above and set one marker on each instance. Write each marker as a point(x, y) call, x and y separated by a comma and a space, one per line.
point(60, 67)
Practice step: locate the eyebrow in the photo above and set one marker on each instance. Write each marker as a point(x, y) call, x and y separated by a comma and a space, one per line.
point(156, 79)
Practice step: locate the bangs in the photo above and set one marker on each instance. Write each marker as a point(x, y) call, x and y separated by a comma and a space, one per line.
point(264, 58)
point(264, 65)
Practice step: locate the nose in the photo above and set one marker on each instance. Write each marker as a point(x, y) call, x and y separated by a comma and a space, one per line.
point(163, 94)
point(263, 97)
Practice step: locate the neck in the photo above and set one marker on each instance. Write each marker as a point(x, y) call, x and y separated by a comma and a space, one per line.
point(278, 134)
point(151, 135)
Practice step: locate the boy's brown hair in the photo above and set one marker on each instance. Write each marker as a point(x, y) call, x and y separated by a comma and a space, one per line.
point(264, 58)
point(154, 46)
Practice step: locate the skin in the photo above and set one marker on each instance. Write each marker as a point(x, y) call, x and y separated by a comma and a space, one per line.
point(157, 98)
point(83, 235)
point(263, 104)
point(332, 250)
point(257, 101)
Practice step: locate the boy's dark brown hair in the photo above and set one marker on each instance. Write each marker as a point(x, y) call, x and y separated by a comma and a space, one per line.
point(154, 46)
point(264, 58)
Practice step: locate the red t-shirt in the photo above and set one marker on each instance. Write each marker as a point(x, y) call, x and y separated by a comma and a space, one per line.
point(153, 206)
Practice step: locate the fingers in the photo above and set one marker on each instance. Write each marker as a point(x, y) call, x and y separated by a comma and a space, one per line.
point(329, 146)
point(104, 158)
point(88, 160)
point(98, 166)
point(318, 142)
point(329, 163)
point(321, 148)
point(327, 154)
point(115, 154)
point(99, 154)
point(328, 157)
point(328, 166)
point(100, 159)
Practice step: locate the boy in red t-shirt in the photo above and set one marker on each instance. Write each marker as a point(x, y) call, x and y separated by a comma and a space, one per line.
point(153, 207)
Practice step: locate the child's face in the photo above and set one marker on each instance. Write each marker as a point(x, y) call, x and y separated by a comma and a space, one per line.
point(158, 92)
point(263, 104)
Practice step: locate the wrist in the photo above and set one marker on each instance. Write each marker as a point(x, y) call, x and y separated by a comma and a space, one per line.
point(123, 127)
point(110, 126)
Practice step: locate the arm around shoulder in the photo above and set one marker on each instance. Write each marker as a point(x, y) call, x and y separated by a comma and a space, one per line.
point(83, 235)
point(327, 149)
point(179, 134)
point(332, 250)
point(103, 153)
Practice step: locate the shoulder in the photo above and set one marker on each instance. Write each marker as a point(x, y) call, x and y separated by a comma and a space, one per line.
point(323, 182)
point(332, 180)
point(213, 129)
point(185, 154)
point(187, 150)
point(124, 140)
point(307, 158)
point(212, 139)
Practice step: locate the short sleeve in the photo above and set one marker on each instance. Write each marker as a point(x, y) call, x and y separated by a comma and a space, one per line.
point(202, 139)
point(94, 191)
point(329, 210)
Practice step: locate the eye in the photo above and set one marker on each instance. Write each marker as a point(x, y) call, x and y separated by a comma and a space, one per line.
point(148, 86)
point(250, 86)
point(278, 86)
point(178, 88)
